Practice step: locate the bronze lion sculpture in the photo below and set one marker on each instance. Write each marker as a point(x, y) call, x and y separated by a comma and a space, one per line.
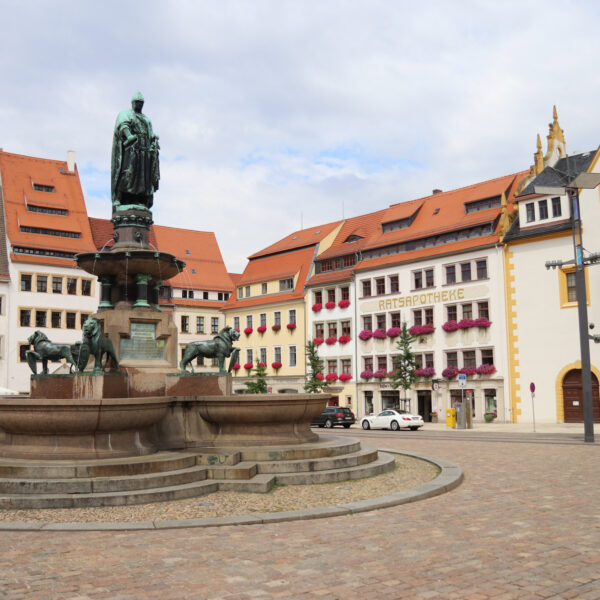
point(98, 344)
point(44, 350)
point(220, 347)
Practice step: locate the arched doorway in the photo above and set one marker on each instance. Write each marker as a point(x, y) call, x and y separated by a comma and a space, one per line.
point(573, 397)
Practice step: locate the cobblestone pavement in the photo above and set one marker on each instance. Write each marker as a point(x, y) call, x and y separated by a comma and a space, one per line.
point(525, 525)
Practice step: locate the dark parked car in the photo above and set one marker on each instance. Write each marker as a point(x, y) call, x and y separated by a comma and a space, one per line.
point(335, 415)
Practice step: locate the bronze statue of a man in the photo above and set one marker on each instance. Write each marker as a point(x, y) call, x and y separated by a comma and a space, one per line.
point(134, 168)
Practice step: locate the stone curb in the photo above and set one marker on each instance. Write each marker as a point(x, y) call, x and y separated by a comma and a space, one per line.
point(450, 477)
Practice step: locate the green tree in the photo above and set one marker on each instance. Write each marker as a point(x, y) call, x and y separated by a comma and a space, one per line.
point(404, 363)
point(315, 380)
point(259, 385)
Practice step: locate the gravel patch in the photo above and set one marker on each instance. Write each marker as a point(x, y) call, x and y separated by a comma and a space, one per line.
point(408, 473)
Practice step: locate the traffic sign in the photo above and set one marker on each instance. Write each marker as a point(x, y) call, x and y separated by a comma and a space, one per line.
point(462, 380)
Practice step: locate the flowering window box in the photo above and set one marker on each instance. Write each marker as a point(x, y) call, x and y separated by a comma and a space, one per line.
point(318, 341)
point(421, 329)
point(291, 326)
point(276, 327)
point(248, 330)
point(317, 307)
point(425, 372)
point(468, 371)
point(319, 376)
point(331, 340)
point(330, 305)
point(367, 375)
point(331, 377)
point(486, 370)
point(345, 377)
point(344, 339)
point(394, 332)
point(450, 326)
point(380, 374)
point(236, 367)
point(261, 329)
point(344, 304)
point(276, 365)
point(450, 372)
point(379, 334)
point(365, 334)
point(248, 366)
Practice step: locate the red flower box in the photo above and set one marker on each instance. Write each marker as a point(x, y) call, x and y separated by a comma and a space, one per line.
point(331, 340)
point(276, 365)
point(317, 307)
point(344, 304)
point(331, 377)
point(344, 339)
point(330, 305)
point(345, 377)
point(291, 326)
point(318, 341)
point(248, 366)
point(276, 327)
point(248, 330)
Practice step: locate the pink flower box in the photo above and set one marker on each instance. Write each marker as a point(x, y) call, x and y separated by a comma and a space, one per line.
point(248, 330)
point(318, 341)
point(344, 304)
point(330, 305)
point(366, 375)
point(343, 339)
point(261, 329)
point(345, 377)
point(317, 307)
point(291, 326)
point(248, 366)
point(394, 332)
point(365, 334)
point(331, 340)
point(421, 329)
point(276, 365)
point(331, 377)
point(379, 334)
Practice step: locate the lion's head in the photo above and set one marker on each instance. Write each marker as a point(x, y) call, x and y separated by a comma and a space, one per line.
point(36, 337)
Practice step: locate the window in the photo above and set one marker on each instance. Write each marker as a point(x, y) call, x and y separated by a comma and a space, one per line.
point(345, 325)
point(556, 208)
point(367, 322)
point(214, 325)
point(185, 324)
point(249, 321)
point(332, 366)
point(382, 362)
point(262, 352)
point(380, 286)
point(487, 356)
point(25, 318)
point(200, 324)
point(469, 358)
point(236, 323)
point(56, 320)
point(263, 319)
point(292, 355)
point(394, 285)
point(481, 266)
point(57, 285)
point(42, 283)
point(277, 353)
point(318, 297)
point(543, 209)
point(71, 320)
point(467, 311)
point(418, 280)
point(483, 311)
point(530, 212)
point(249, 356)
point(330, 295)
point(346, 365)
point(380, 321)
point(451, 312)
point(429, 278)
point(86, 287)
point(366, 287)
point(345, 292)
point(247, 291)
point(264, 289)
point(277, 318)
point(25, 283)
point(451, 274)
point(71, 285)
point(286, 284)
point(368, 361)
point(465, 271)
point(451, 359)
point(292, 315)
point(82, 319)
point(395, 317)
point(332, 329)
point(319, 330)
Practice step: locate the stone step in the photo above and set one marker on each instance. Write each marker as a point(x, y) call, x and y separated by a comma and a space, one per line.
point(89, 485)
point(365, 455)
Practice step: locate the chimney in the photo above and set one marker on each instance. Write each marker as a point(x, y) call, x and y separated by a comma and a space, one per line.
point(436, 191)
point(71, 161)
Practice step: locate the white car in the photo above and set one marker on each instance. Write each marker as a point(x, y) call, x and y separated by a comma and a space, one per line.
point(392, 419)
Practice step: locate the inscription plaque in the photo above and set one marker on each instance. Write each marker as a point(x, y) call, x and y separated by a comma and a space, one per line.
point(142, 343)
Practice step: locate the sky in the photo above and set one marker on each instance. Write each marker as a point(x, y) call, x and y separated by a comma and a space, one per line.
point(275, 115)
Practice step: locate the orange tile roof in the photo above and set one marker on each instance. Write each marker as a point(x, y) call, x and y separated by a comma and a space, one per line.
point(19, 173)
point(204, 270)
point(298, 239)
